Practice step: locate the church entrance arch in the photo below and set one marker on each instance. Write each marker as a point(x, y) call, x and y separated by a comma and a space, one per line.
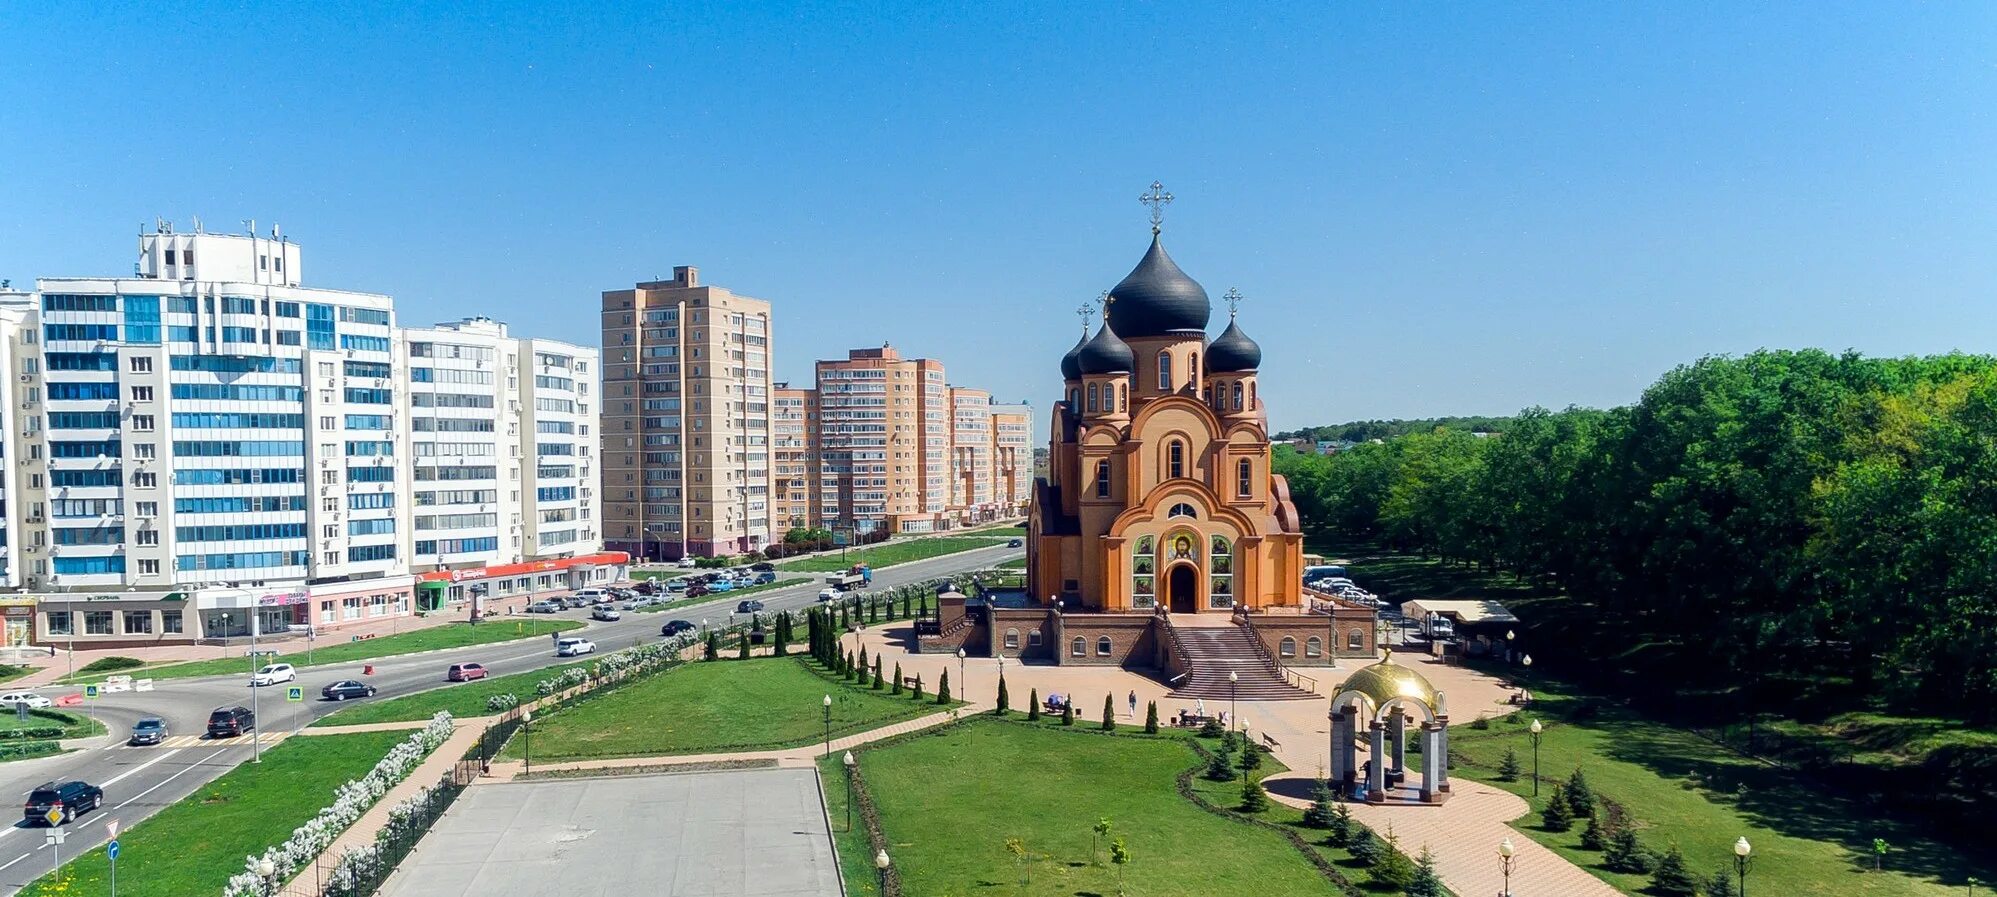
point(1182, 589)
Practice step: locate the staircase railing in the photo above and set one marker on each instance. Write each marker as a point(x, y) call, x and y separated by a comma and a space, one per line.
point(1290, 677)
point(1177, 647)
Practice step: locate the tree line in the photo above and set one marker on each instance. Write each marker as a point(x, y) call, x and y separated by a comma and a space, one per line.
point(1366, 430)
point(1751, 525)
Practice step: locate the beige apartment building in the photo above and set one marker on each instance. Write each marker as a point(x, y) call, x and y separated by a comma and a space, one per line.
point(794, 445)
point(883, 442)
point(971, 456)
point(1012, 458)
point(686, 424)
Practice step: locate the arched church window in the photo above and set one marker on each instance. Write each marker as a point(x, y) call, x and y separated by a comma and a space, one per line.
point(1078, 647)
point(1193, 367)
point(1206, 392)
point(1244, 478)
point(1356, 640)
point(1164, 369)
point(1313, 647)
point(1012, 640)
point(1182, 510)
point(1093, 397)
point(1251, 394)
point(1102, 479)
point(1175, 459)
point(1075, 399)
point(1237, 395)
point(1288, 647)
point(1103, 646)
point(1122, 397)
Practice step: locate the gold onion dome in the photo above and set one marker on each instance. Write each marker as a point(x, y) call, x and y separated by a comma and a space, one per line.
point(1387, 681)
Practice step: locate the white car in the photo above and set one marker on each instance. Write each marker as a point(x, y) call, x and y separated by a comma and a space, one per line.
point(573, 647)
point(606, 613)
point(273, 674)
point(34, 701)
point(828, 594)
point(685, 563)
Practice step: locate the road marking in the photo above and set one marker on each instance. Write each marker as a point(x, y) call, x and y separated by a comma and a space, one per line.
point(3, 867)
point(194, 765)
point(139, 768)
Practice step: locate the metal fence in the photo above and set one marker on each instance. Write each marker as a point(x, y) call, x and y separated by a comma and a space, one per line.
point(394, 841)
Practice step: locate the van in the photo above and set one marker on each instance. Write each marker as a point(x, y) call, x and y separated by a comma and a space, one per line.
point(593, 594)
point(1323, 571)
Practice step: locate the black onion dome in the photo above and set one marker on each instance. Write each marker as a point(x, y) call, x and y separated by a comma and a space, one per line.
point(1106, 354)
point(1233, 351)
point(1071, 365)
point(1158, 299)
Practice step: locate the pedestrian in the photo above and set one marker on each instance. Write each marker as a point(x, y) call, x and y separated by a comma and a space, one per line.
point(1200, 707)
point(1133, 704)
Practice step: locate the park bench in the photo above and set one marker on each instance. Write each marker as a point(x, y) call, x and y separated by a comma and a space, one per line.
point(910, 681)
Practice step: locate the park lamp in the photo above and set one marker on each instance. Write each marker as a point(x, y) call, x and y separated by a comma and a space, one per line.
point(1527, 660)
point(848, 760)
point(266, 868)
point(1509, 635)
point(960, 654)
point(1742, 848)
point(1537, 728)
point(526, 716)
point(1233, 677)
point(1506, 849)
point(828, 702)
point(881, 860)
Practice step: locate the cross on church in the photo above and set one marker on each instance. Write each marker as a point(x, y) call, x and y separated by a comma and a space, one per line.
point(1086, 311)
point(1105, 300)
point(1233, 300)
point(1157, 199)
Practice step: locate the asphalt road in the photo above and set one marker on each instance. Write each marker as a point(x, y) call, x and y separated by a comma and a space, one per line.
point(139, 781)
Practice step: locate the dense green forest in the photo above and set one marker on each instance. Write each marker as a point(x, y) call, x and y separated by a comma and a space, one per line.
point(1364, 430)
point(1754, 532)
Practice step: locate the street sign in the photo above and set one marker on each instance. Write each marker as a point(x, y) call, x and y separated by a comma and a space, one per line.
point(111, 850)
point(54, 816)
point(56, 837)
point(21, 710)
point(90, 691)
point(294, 693)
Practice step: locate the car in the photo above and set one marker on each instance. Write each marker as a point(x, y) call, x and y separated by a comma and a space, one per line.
point(749, 607)
point(766, 576)
point(273, 674)
point(545, 607)
point(1016, 543)
point(721, 585)
point(150, 730)
point(592, 592)
point(69, 799)
point(685, 563)
point(229, 722)
point(621, 592)
point(763, 567)
point(606, 613)
point(676, 627)
point(828, 594)
point(695, 591)
point(347, 688)
point(646, 587)
point(465, 672)
point(573, 647)
point(576, 602)
point(34, 701)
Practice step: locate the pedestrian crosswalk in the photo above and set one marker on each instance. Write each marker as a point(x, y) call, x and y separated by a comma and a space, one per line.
point(182, 741)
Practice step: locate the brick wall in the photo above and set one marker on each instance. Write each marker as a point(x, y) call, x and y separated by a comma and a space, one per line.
point(1299, 629)
point(1132, 641)
point(1023, 621)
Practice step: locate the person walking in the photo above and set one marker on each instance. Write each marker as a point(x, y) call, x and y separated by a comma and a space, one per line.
point(1133, 703)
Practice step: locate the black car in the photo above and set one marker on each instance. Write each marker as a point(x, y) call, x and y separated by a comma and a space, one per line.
point(229, 722)
point(763, 566)
point(944, 585)
point(676, 627)
point(748, 607)
point(151, 730)
point(1016, 543)
point(646, 587)
point(347, 688)
point(73, 799)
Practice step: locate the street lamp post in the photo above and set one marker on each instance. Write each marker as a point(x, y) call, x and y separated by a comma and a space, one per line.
point(963, 687)
point(1233, 683)
point(1505, 854)
point(1246, 747)
point(527, 738)
point(1510, 637)
point(828, 725)
point(267, 871)
point(849, 790)
point(1742, 859)
point(256, 693)
point(881, 863)
point(1535, 729)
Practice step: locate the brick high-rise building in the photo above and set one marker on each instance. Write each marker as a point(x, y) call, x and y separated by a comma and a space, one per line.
point(883, 442)
point(794, 442)
point(1012, 458)
point(686, 419)
point(971, 456)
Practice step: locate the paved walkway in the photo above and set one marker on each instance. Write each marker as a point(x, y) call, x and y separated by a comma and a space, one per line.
point(787, 757)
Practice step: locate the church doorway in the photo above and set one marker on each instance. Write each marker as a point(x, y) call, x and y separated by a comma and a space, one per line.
point(1182, 589)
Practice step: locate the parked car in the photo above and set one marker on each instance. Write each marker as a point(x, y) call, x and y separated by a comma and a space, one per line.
point(606, 613)
point(685, 563)
point(1016, 543)
point(763, 566)
point(465, 672)
point(72, 799)
point(576, 601)
point(721, 585)
point(676, 627)
point(34, 701)
point(347, 688)
point(695, 591)
point(229, 722)
point(574, 647)
point(273, 674)
point(592, 593)
point(765, 576)
point(646, 587)
point(621, 592)
point(150, 730)
point(545, 607)
point(749, 607)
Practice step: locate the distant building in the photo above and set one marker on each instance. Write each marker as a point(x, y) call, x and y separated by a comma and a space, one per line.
point(794, 449)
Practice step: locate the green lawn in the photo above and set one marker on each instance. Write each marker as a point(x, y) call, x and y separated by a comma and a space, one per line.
point(463, 699)
point(781, 583)
point(889, 554)
point(193, 846)
point(74, 725)
point(1684, 790)
point(10, 672)
point(949, 801)
point(1012, 564)
point(1009, 530)
point(732, 705)
point(330, 650)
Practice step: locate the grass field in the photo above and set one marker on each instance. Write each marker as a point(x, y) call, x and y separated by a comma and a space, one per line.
point(74, 725)
point(1685, 791)
point(1012, 564)
point(731, 705)
point(193, 846)
point(449, 635)
point(781, 583)
point(10, 672)
point(889, 554)
point(462, 699)
point(949, 801)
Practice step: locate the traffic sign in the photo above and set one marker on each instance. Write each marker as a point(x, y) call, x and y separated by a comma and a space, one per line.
point(54, 816)
point(111, 850)
point(90, 691)
point(294, 693)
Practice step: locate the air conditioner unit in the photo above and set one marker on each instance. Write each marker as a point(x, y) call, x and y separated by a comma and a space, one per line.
point(27, 378)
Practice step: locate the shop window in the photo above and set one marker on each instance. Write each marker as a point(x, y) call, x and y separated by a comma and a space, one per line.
point(169, 622)
point(60, 623)
point(97, 622)
point(138, 622)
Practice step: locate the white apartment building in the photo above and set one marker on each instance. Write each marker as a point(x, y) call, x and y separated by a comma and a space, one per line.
point(210, 446)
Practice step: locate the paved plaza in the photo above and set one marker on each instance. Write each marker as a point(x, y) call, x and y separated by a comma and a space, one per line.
point(753, 833)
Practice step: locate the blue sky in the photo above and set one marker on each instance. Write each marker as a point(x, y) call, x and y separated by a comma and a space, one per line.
point(1433, 209)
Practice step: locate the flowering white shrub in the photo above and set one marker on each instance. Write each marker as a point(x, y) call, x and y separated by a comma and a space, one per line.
point(502, 703)
point(350, 801)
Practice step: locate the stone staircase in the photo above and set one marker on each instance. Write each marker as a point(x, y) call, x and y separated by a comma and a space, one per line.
point(1213, 652)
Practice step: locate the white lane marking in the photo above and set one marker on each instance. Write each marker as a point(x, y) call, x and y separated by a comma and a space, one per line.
point(3, 867)
point(137, 769)
point(170, 778)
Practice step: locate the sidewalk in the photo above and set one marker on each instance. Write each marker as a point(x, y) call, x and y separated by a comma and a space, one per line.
point(798, 756)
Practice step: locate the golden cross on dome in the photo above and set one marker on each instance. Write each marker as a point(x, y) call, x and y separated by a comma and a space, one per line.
point(1157, 199)
point(1086, 311)
point(1105, 300)
point(1233, 300)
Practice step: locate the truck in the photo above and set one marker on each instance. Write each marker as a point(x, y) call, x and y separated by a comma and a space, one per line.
point(846, 582)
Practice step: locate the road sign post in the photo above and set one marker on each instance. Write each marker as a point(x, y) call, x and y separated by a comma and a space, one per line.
point(294, 694)
point(56, 834)
point(111, 851)
point(90, 691)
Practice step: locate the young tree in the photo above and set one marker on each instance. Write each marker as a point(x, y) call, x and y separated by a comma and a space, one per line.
point(918, 687)
point(1342, 826)
point(1119, 855)
point(1594, 836)
point(1672, 879)
point(1363, 846)
point(1068, 712)
point(1558, 815)
point(1253, 798)
point(782, 634)
point(863, 659)
point(1017, 848)
point(943, 688)
point(1220, 766)
point(1394, 870)
point(742, 645)
point(1580, 797)
point(1625, 853)
point(1720, 885)
point(713, 651)
point(1879, 848)
point(1318, 814)
point(1109, 713)
point(1425, 882)
point(1508, 768)
point(1004, 699)
point(1151, 718)
point(1251, 756)
point(894, 688)
point(878, 684)
point(1097, 832)
point(1033, 706)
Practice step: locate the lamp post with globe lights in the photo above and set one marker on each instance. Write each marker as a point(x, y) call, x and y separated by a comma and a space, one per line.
point(828, 725)
point(267, 873)
point(963, 687)
point(1506, 853)
point(527, 739)
point(1535, 729)
point(881, 864)
point(1743, 858)
point(849, 790)
point(1510, 638)
point(1233, 682)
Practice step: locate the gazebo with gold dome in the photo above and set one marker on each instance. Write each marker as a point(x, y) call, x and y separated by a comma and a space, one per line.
point(1387, 695)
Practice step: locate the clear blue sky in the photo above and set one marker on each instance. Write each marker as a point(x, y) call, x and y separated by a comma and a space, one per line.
point(1432, 210)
